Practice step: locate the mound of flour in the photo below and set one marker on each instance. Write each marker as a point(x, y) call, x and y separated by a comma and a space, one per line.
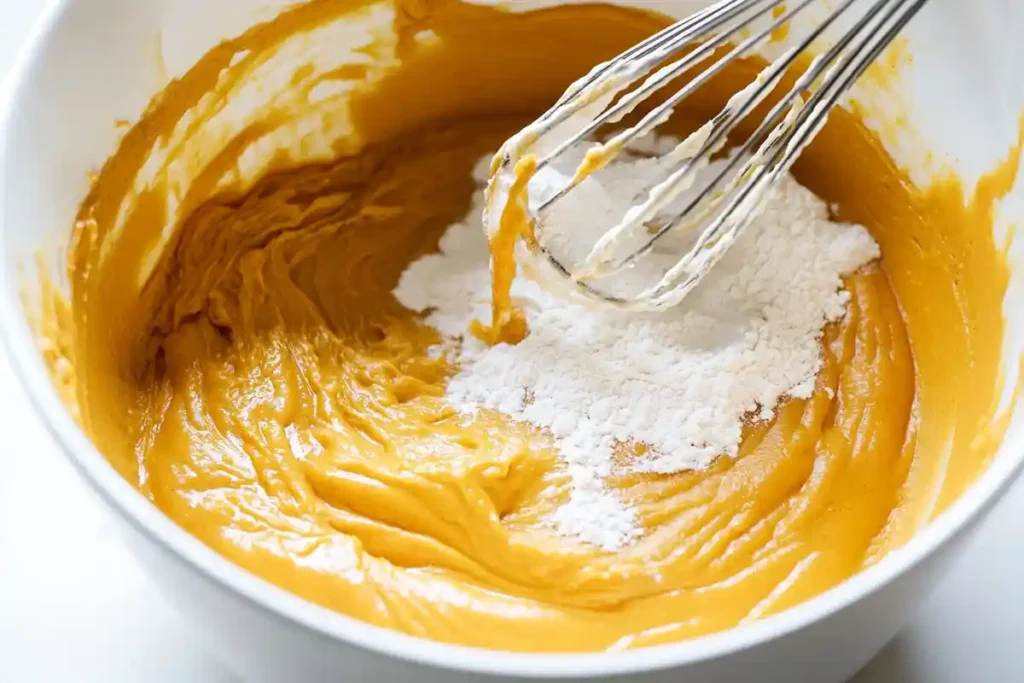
point(681, 381)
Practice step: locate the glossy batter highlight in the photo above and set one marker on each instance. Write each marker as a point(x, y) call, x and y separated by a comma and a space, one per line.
point(250, 372)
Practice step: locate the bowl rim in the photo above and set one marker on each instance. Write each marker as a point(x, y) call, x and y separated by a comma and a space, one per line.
point(18, 341)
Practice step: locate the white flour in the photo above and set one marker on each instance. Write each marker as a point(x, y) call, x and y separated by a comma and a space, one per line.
point(679, 381)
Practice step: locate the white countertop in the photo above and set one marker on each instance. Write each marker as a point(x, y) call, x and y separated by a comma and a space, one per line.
point(75, 608)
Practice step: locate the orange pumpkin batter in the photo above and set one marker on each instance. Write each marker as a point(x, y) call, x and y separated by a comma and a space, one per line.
point(231, 344)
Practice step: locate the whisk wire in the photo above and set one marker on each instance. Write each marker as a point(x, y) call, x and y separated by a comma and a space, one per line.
point(667, 74)
point(722, 125)
point(638, 58)
point(810, 118)
point(727, 204)
point(816, 69)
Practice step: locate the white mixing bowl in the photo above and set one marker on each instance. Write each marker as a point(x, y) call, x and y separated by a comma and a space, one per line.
point(91, 62)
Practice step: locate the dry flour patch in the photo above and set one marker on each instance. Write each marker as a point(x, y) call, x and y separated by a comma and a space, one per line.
point(679, 381)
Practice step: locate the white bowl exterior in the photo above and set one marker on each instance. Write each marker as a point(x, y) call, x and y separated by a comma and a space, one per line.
point(93, 62)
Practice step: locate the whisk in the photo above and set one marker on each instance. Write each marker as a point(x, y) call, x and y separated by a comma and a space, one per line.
point(719, 209)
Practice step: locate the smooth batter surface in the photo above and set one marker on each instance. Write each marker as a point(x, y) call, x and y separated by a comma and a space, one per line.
point(262, 387)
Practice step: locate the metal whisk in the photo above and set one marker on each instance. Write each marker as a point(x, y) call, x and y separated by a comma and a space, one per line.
point(720, 209)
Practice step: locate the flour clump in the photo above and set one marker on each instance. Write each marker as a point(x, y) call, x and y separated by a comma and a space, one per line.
point(679, 383)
